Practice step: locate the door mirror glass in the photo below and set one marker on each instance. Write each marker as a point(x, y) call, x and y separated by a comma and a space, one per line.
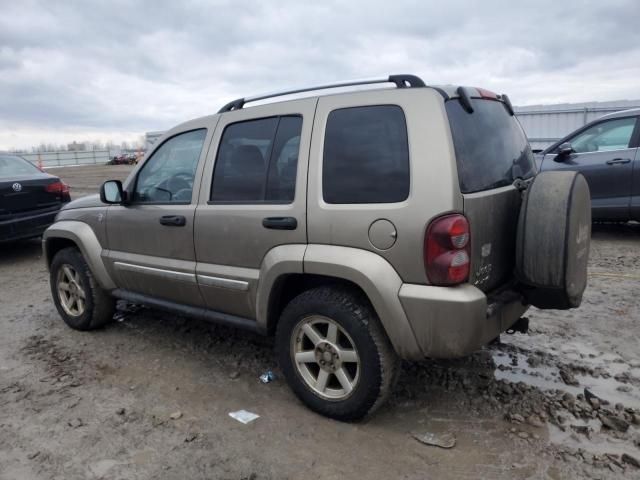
point(111, 192)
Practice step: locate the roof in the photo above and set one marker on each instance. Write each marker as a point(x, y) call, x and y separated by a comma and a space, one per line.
point(401, 81)
point(622, 113)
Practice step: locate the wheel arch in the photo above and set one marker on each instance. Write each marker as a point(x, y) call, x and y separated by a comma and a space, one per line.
point(68, 233)
point(53, 245)
point(317, 265)
point(288, 286)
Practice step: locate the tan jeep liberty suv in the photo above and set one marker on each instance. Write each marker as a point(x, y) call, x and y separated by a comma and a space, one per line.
point(366, 222)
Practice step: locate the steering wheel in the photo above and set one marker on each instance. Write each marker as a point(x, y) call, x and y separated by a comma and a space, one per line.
point(178, 182)
point(177, 187)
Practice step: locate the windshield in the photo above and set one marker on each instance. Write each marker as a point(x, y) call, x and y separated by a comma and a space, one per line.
point(11, 165)
point(491, 147)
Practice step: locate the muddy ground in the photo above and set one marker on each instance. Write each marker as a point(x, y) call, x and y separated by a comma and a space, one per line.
point(148, 397)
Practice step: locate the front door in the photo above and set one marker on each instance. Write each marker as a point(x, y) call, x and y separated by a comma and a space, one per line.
point(252, 199)
point(151, 238)
point(604, 155)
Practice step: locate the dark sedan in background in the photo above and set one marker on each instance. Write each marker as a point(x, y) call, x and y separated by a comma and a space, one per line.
point(606, 152)
point(29, 198)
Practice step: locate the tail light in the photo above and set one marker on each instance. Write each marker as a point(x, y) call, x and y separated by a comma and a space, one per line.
point(447, 249)
point(60, 188)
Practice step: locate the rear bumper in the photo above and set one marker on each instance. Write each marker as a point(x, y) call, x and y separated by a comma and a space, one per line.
point(452, 322)
point(26, 226)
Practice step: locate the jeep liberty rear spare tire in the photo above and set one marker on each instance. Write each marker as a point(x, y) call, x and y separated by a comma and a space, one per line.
point(552, 246)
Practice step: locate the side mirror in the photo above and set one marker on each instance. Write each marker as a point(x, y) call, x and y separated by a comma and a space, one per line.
point(111, 192)
point(564, 150)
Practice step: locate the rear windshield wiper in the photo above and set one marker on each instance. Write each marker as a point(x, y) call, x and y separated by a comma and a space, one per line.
point(465, 99)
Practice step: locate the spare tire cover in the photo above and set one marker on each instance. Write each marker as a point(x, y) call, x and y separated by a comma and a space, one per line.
point(554, 232)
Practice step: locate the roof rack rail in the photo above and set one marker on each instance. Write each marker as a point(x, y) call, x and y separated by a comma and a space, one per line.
point(401, 81)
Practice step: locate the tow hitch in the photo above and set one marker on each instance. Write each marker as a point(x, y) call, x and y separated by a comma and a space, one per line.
point(521, 326)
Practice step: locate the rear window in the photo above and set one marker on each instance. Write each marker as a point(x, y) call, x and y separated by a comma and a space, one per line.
point(11, 165)
point(491, 147)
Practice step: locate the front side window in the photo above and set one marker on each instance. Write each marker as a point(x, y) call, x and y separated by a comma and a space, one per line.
point(167, 177)
point(609, 135)
point(257, 161)
point(366, 156)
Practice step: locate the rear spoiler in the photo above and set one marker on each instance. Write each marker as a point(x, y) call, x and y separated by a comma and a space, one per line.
point(465, 94)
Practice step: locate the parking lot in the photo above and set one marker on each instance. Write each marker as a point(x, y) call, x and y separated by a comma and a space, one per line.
point(149, 396)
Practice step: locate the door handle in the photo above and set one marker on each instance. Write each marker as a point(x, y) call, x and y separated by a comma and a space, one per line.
point(173, 220)
point(617, 161)
point(280, 223)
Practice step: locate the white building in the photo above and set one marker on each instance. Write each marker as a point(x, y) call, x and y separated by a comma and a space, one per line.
point(150, 138)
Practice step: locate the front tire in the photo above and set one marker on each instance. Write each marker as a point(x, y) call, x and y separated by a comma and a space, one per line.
point(335, 354)
point(82, 304)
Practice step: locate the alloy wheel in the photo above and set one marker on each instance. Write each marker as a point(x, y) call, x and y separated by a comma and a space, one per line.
point(325, 357)
point(70, 292)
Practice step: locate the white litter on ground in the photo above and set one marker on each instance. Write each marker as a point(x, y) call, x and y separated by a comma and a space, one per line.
point(244, 416)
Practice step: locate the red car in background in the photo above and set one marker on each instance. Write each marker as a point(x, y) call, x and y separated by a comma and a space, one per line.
point(124, 159)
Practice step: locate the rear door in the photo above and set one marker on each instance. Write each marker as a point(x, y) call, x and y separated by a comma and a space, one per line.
point(150, 239)
point(492, 152)
point(379, 170)
point(253, 198)
point(604, 154)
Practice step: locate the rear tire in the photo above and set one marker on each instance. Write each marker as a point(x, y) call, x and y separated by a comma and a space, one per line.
point(359, 366)
point(82, 304)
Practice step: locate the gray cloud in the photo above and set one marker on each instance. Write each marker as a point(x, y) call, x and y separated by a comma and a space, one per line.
point(124, 66)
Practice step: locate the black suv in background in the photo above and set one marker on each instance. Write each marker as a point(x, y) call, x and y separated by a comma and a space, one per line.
point(29, 198)
point(605, 151)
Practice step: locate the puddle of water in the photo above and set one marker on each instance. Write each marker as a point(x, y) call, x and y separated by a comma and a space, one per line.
point(543, 376)
point(547, 377)
point(598, 443)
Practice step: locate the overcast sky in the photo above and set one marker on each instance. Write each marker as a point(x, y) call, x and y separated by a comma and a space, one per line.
point(115, 69)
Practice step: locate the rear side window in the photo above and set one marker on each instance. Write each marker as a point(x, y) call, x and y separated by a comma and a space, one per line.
point(491, 147)
point(257, 161)
point(366, 156)
point(14, 165)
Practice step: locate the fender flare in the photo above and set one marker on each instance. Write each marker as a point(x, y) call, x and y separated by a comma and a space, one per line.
point(83, 236)
point(279, 261)
point(369, 271)
point(379, 281)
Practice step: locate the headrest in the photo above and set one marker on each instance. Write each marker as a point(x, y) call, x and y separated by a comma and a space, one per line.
point(248, 159)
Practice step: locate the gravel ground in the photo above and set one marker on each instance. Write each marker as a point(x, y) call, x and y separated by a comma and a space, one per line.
point(149, 396)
